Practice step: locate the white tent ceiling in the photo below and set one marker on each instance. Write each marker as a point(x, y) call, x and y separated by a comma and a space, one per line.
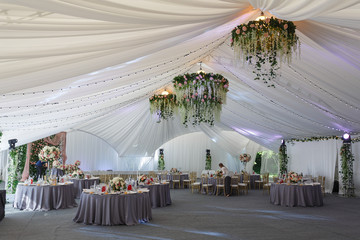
point(92, 65)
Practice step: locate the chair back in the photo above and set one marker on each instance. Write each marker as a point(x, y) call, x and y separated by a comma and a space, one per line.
point(246, 177)
point(192, 176)
point(234, 180)
point(220, 180)
point(266, 178)
point(204, 179)
point(176, 176)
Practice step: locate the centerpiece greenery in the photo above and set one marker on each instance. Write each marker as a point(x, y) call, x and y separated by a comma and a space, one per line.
point(163, 105)
point(264, 44)
point(200, 96)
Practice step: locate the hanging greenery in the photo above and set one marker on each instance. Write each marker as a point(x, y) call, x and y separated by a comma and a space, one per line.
point(283, 160)
point(17, 159)
point(208, 160)
point(161, 161)
point(317, 139)
point(200, 96)
point(264, 44)
point(257, 164)
point(163, 105)
point(346, 171)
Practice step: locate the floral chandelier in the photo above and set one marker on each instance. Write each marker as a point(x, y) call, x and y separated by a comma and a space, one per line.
point(265, 43)
point(200, 96)
point(163, 105)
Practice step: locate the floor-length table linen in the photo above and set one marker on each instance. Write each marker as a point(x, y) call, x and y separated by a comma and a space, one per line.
point(45, 197)
point(159, 194)
point(292, 195)
point(2, 203)
point(80, 184)
point(114, 209)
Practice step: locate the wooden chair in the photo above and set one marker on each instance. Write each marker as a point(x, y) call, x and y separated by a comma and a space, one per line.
point(246, 180)
point(321, 180)
point(187, 182)
point(266, 183)
point(193, 183)
point(220, 185)
point(261, 181)
point(234, 184)
point(176, 179)
point(205, 184)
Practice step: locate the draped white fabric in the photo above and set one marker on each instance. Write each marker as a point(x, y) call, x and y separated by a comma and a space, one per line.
point(91, 66)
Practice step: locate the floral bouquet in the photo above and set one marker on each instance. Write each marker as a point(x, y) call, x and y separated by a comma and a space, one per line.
point(56, 164)
point(149, 181)
point(174, 170)
point(78, 174)
point(117, 184)
point(245, 157)
point(49, 154)
point(143, 178)
point(77, 163)
point(294, 177)
point(218, 173)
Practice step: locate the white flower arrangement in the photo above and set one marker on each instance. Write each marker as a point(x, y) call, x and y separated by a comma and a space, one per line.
point(117, 184)
point(78, 174)
point(245, 157)
point(49, 154)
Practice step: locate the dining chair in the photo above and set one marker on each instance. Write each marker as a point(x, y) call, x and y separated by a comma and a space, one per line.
point(321, 180)
point(205, 183)
point(220, 185)
point(234, 184)
point(246, 180)
point(193, 183)
point(187, 182)
point(176, 179)
point(266, 183)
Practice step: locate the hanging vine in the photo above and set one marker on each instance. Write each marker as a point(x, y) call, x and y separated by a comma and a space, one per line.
point(208, 160)
point(161, 161)
point(16, 167)
point(283, 160)
point(347, 159)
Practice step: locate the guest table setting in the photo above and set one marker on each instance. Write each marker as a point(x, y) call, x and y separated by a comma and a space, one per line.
point(85, 183)
point(44, 196)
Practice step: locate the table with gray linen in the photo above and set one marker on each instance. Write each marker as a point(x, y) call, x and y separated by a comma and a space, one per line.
point(2, 203)
point(80, 184)
point(253, 178)
point(44, 198)
point(182, 178)
point(159, 195)
point(294, 195)
point(114, 209)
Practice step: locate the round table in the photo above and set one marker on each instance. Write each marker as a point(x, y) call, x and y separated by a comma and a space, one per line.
point(80, 184)
point(292, 195)
point(114, 209)
point(159, 194)
point(44, 198)
point(2, 203)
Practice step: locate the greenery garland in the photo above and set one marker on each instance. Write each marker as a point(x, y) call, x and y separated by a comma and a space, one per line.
point(283, 160)
point(200, 96)
point(161, 161)
point(317, 139)
point(208, 160)
point(163, 105)
point(346, 171)
point(265, 42)
point(16, 167)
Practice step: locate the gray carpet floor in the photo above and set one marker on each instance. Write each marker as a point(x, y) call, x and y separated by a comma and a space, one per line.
point(196, 216)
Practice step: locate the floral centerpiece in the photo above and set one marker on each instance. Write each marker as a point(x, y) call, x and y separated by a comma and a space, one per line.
point(163, 105)
point(56, 164)
point(264, 44)
point(78, 174)
point(49, 154)
point(77, 163)
point(117, 184)
point(219, 173)
point(143, 178)
point(245, 157)
point(294, 177)
point(200, 96)
point(174, 170)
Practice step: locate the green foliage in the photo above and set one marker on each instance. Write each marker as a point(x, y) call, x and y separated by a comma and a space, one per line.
point(208, 162)
point(16, 167)
point(257, 164)
point(161, 162)
point(283, 160)
point(347, 159)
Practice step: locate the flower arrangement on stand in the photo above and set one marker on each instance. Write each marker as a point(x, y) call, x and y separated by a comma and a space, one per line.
point(163, 105)
point(245, 158)
point(294, 177)
point(174, 170)
point(161, 162)
point(264, 44)
point(117, 184)
point(347, 159)
point(208, 160)
point(49, 154)
point(283, 160)
point(200, 96)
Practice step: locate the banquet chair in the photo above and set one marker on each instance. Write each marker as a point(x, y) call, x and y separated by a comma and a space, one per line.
point(187, 182)
point(176, 180)
point(275, 179)
point(243, 187)
point(234, 184)
point(193, 183)
point(321, 180)
point(261, 181)
point(246, 180)
point(266, 183)
point(220, 184)
point(152, 174)
point(205, 183)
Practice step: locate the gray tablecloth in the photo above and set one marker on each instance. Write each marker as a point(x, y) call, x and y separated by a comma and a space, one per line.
point(2, 203)
point(116, 209)
point(159, 195)
point(80, 184)
point(182, 178)
point(44, 198)
point(252, 180)
point(296, 195)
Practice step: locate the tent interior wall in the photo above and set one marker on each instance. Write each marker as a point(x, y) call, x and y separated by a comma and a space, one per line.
point(88, 68)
